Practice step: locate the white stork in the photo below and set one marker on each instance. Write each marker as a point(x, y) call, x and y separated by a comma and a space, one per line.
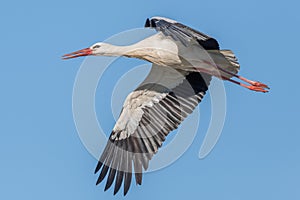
point(184, 60)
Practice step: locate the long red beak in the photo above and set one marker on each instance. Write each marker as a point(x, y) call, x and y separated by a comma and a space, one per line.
point(82, 52)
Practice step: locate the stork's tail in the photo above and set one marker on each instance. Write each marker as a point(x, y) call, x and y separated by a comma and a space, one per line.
point(230, 57)
point(225, 59)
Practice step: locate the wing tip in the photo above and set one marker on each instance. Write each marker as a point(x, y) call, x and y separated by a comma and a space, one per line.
point(147, 23)
point(138, 178)
point(98, 167)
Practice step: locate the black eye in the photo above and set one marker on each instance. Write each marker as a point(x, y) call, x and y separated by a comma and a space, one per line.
point(96, 46)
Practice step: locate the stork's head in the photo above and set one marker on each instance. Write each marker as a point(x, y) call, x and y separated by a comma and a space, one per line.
point(97, 49)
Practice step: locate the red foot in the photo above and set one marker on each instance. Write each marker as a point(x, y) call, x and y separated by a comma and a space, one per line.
point(259, 84)
point(257, 88)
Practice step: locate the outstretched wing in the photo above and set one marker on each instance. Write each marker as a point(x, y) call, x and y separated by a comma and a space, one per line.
point(149, 114)
point(181, 33)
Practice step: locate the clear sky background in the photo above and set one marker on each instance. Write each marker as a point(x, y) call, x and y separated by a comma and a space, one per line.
point(41, 155)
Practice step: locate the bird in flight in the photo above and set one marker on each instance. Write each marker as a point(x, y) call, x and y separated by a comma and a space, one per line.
point(183, 63)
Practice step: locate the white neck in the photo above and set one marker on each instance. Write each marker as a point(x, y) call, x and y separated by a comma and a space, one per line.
point(155, 49)
point(113, 50)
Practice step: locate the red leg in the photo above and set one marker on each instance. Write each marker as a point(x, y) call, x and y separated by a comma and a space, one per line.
point(254, 86)
point(250, 87)
point(254, 83)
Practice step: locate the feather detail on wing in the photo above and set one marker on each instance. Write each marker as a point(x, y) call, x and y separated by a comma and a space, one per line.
point(149, 114)
point(182, 33)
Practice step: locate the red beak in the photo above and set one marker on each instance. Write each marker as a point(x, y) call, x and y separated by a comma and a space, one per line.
point(82, 52)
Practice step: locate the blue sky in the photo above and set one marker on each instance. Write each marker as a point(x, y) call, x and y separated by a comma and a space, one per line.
point(42, 157)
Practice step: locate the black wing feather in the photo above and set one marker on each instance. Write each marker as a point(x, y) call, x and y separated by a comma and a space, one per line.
point(182, 33)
